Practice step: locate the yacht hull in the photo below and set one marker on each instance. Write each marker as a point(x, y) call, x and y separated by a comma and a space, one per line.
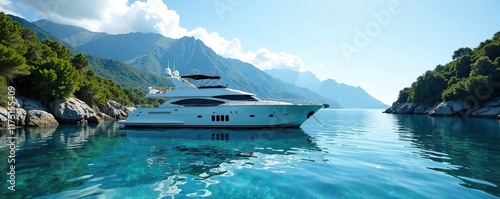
point(241, 116)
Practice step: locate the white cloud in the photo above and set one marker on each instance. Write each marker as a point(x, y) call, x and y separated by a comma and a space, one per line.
point(7, 7)
point(118, 16)
point(267, 59)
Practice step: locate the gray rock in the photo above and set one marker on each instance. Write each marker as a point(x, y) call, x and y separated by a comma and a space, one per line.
point(128, 110)
point(19, 116)
point(427, 111)
point(95, 119)
point(4, 122)
point(421, 109)
point(411, 107)
point(19, 101)
point(116, 113)
point(116, 110)
point(448, 108)
point(40, 118)
point(71, 110)
point(405, 108)
point(401, 108)
point(105, 117)
point(490, 109)
point(29, 104)
point(36, 113)
point(391, 108)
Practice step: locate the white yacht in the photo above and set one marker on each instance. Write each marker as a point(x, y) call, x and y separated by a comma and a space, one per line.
point(203, 101)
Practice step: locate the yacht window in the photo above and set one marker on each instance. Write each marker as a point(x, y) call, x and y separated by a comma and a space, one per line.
point(237, 97)
point(198, 102)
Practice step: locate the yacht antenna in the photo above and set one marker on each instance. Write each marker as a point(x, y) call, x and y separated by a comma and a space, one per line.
point(167, 70)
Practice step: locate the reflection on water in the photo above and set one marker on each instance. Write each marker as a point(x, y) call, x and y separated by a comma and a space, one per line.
point(357, 154)
point(467, 148)
point(78, 161)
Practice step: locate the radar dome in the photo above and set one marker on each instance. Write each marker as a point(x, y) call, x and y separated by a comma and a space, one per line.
point(168, 72)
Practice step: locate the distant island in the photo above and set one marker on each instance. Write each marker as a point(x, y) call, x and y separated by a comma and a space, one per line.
point(468, 86)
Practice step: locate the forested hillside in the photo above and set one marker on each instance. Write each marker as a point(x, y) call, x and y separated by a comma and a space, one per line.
point(46, 70)
point(473, 76)
point(149, 53)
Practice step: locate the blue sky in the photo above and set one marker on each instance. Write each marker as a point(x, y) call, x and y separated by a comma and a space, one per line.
point(380, 45)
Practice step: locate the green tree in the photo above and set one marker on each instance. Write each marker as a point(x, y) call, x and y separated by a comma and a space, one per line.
point(461, 52)
point(55, 78)
point(34, 50)
point(497, 62)
point(476, 87)
point(10, 34)
point(492, 51)
point(428, 88)
point(496, 36)
point(3, 91)
point(495, 80)
point(80, 62)
point(463, 66)
point(451, 81)
point(90, 91)
point(483, 66)
point(61, 51)
point(46, 70)
point(404, 95)
point(12, 64)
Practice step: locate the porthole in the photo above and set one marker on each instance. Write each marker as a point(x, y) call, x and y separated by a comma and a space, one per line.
point(252, 115)
point(199, 116)
point(271, 115)
point(218, 118)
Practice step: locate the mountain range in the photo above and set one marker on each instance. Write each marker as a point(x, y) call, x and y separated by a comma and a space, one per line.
point(346, 95)
point(136, 60)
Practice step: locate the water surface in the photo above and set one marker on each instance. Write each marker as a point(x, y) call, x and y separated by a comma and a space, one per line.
point(356, 154)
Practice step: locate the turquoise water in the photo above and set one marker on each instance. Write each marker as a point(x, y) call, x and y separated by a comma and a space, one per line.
point(357, 154)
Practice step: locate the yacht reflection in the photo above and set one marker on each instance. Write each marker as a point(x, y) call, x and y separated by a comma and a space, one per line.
point(210, 152)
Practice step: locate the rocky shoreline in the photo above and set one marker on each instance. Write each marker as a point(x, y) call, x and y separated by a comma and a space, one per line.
point(449, 109)
point(31, 113)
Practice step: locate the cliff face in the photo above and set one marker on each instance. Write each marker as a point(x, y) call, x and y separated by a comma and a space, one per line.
point(490, 109)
